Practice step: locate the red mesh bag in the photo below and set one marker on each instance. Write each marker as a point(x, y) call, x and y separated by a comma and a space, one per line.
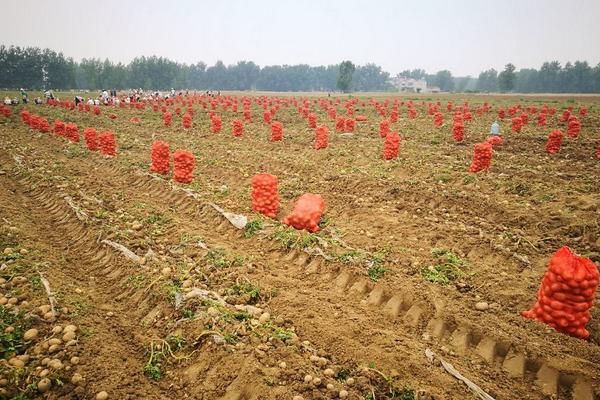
point(482, 157)
point(495, 140)
point(574, 127)
point(265, 198)
point(524, 118)
point(384, 128)
point(135, 120)
point(267, 117)
point(160, 157)
point(363, 118)
point(5, 111)
point(96, 110)
point(332, 112)
point(59, 127)
point(554, 141)
point(44, 126)
point(276, 131)
point(312, 120)
point(412, 113)
point(501, 113)
point(178, 111)
point(247, 116)
point(565, 116)
point(541, 119)
point(582, 111)
point(25, 116)
point(458, 130)
point(340, 124)
point(307, 212)
point(350, 125)
point(394, 116)
point(238, 127)
point(107, 143)
point(438, 119)
point(167, 118)
point(467, 116)
point(566, 294)
point(71, 132)
point(517, 124)
point(187, 121)
point(91, 139)
point(112, 116)
point(321, 137)
point(183, 166)
point(598, 149)
point(215, 124)
point(391, 146)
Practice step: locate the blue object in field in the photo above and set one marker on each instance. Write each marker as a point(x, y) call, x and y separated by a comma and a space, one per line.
point(495, 129)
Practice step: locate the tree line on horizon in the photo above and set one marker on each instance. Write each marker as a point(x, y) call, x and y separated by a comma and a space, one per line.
point(35, 68)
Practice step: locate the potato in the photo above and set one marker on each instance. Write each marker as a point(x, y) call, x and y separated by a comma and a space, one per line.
point(44, 385)
point(102, 395)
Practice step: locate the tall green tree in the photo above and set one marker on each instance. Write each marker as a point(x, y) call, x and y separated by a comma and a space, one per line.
point(344, 79)
point(507, 78)
point(443, 79)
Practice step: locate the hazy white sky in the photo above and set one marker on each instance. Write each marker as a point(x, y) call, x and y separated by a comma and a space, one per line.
point(464, 36)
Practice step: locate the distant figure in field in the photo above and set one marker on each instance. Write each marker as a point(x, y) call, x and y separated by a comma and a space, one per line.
point(90, 101)
point(78, 99)
point(49, 95)
point(7, 101)
point(495, 129)
point(38, 101)
point(24, 96)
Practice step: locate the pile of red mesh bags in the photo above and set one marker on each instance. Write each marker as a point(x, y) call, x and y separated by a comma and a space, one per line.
point(160, 157)
point(91, 139)
point(238, 127)
point(307, 213)
point(265, 198)
point(482, 157)
point(384, 128)
point(183, 166)
point(391, 146)
point(566, 294)
point(215, 123)
point(554, 141)
point(107, 143)
point(321, 137)
point(517, 124)
point(71, 132)
point(574, 127)
point(167, 118)
point(276, 131)
point(59, 127)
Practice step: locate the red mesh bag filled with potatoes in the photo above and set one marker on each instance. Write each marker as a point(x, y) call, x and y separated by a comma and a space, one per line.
point(276, 131)
point(517, 124)
point(565, 116)
point(495, 140)
point(108, 144)
point(582, 111)
point(350, 125)
point(183, 166)
point(574, 127)
point(44, 126)
point(312, 120)
point(71, 132)
point(238, 127)
point(391, 146)
point(187, 121)
point(554, 141)
point(307, 213)
point(438, 119)
point(167, 118)
point(384, 128)
point(96, 110)
point(482, 157)
point(267, 117)
point(160, 157)
point(321, 137)
point(25, 116)
point(265, 198)
point(216, 123)
point(91, 138)
point(340, 124)
point(412, 113)
point(541, 119)
point(458, 130)
point(566, 294)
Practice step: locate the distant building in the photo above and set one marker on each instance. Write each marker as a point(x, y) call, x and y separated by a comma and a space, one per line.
point(413, 85)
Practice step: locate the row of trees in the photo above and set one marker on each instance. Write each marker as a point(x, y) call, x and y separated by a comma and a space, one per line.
point(36, 68)
point(578, 77)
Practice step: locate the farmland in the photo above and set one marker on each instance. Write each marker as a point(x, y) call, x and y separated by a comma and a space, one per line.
point(166, 298)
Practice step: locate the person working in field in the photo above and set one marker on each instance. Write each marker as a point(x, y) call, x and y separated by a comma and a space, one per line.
point(495, 129)
point(24, 96)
